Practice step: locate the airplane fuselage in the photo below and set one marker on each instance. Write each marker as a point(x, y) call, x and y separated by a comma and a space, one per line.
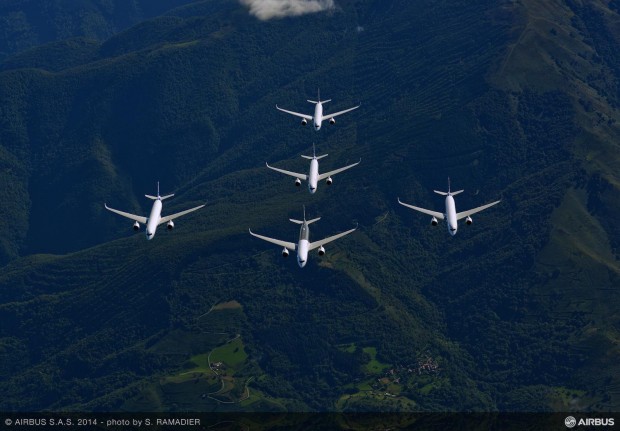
point(153, 220)
point(302, 246)
point(313, 176)
point(318, 116)
point(450, 215)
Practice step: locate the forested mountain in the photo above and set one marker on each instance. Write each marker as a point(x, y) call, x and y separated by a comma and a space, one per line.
point(512, 101)
point(28, 23)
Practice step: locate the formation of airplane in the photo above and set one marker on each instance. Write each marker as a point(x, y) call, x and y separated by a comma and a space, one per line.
point(318, 117)
point(451, 216)
point(155, 218)
point(304, 245)
point(313, 176)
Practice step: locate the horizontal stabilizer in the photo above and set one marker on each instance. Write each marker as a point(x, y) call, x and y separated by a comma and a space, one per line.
point(322, 101)
point(160, 197)
point(312, 157)
point(441, 193)
point(307, 221)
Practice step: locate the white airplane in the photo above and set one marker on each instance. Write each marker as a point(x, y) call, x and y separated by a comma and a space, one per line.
point(304, 245)
point(155, 219)
point(318, 117)
point(313, 176)
point(451, 216)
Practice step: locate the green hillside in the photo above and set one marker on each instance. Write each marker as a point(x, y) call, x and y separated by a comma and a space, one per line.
point(29, 23)
point(516, 102)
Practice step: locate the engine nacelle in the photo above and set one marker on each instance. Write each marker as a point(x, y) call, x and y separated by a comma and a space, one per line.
point(434, 221)
point(321, 251)
point(329, 181)
point(297, 182)
point(136, 226)
point(284, 252)
point(304, 122)
point(332, 121)
point(468, 220)
point(170, 225)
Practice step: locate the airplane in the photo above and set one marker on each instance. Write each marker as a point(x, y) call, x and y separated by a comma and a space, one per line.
point(304, 245)
point(451, 216)
point(313, 176)
point(318, 117)
point(155, 218)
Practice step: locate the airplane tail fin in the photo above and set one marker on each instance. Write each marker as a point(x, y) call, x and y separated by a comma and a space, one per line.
point(158, 196)
point(305, 221)
point(449, 192)
point(314, 154)
point(318, 98)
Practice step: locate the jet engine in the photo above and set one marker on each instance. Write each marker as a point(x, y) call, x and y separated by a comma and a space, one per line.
point(284, 252)
point(304, 121)
point(468, 220)
point(136, 226)
point(434, 221)
point(321, 251)
point(297, 182)
point(170, 225)
point(329, 181)
point(332, 121)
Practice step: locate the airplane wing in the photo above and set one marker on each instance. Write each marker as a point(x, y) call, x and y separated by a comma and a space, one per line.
point(302, 177)
point(177, 215)
point(317, 244)
point(297, 114)
point(464, 214)
point(134, 217)
point(290, 245)
point(422, 210)
point(337, 171)
point(328, 116)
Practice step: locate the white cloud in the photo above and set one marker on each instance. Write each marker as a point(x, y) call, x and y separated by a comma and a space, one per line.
point(267, 9)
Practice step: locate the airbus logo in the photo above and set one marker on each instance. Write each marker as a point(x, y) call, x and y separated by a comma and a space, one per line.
point(571, 422)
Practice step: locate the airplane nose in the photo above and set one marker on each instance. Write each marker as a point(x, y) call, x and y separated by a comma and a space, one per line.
point(302, 263)
point(312, 189)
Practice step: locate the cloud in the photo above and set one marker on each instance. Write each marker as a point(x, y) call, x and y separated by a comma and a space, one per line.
point(267, 9)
